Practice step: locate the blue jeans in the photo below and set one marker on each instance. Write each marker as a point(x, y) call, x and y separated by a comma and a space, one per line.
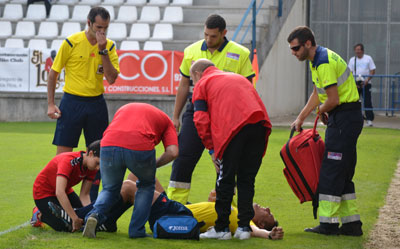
point(113, 163)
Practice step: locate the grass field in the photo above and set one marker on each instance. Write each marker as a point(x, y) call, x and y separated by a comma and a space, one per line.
point(26, 147)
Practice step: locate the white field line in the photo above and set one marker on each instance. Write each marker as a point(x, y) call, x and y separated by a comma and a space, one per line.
point(15, 228)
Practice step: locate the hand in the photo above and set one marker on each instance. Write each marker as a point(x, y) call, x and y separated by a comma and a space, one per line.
point(176, 123)
point(365, 83)
point(323, 116)
point(297, 124)
point(101, 40)
point(77, 224)
point(276, 233)
point(212, 196)
point(53, 112)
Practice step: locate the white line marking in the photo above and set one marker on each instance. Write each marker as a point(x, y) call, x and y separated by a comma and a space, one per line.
point(15, 228)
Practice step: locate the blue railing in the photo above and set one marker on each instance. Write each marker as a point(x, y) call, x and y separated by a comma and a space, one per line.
point(385, 93)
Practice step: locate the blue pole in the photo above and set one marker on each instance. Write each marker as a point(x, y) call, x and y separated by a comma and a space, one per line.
point(253, 42)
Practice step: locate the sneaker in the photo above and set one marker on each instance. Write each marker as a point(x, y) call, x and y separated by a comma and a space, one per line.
point(35, 220)
point(60, 213)
point(369, 123)
point(321, 230)
point(90, 226)
point(351, 229)
point(212, 234)
point(107, 227)
point(242, 233)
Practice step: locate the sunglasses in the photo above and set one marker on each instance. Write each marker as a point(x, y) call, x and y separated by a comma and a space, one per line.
point(296, 48)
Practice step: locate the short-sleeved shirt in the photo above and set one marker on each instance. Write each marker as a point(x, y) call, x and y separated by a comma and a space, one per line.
point(139, 126)
point(363, 66)
point(329, 69)
point(83, 65)
point(230, 57)
point(68, 165)
point(205, 211)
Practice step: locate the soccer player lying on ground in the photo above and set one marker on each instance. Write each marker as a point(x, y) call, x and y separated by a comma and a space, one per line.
point(263, 223)
point(54, 183)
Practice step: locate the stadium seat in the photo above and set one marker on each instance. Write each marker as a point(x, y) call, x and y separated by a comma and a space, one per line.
point(55, 44)
point(3, 1)
point(129, 45)
point(113, 2)
point(35, 12)
point(136, 2)
point(25, 29)
point(127, 14)
point(162, 32)
point(158, 2)
point(80, 12)
point(70, 28)
point(37, 44)
point(68, 2)
point(150, 14)
point(5, 29)
point(14, 43)
point(153, 45)
point(12, 12)
point(90, 2)
point(58, 13)
point(110, 10)
point(139, 32)
point(173, 15)
point(18, 1)
point(182, 2)
point(117, 31)
point(48, 30)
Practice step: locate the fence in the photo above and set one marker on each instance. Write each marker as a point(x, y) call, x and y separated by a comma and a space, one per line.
point(385, 93)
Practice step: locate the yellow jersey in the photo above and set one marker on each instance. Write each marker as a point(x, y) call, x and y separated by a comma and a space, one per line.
point(83, 65)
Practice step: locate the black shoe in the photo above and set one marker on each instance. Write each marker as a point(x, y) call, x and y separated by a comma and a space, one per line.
point(107, 227)
point(351, 229)
point(321, 230)
point(61, 214)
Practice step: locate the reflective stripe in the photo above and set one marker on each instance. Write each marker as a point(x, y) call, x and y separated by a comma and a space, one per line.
point(347, 197)
point(342, 78)
point(329, 219)
point(320, 90)
point(331, 198)
point(184, 185)
point(351, 218)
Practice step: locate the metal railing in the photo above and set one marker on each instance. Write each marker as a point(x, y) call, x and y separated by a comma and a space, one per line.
point(385, 93)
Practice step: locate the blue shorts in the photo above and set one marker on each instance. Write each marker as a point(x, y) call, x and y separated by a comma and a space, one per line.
point(164, 206)
point(77, 113)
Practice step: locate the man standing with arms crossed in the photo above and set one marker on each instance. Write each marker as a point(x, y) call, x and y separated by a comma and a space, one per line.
point(87, 57)
point(335, 94)
point(227, 56)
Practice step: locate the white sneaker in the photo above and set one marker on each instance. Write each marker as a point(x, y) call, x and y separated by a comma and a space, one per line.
point(369, 123)
point(242, 233)
point(90, 227)
point(212, 234)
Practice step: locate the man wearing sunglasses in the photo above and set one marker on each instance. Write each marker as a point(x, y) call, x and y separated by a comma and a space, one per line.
point(336, 98)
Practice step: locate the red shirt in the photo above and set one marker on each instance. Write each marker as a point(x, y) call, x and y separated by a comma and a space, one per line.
point(68, 165)
point(232, 102)
point(139, 126)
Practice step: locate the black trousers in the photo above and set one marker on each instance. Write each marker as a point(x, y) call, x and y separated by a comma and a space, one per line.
point(50, 219)
point(241, 162)
point(367, 100)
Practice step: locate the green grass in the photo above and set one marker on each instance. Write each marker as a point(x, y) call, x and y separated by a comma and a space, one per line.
point(26, 147)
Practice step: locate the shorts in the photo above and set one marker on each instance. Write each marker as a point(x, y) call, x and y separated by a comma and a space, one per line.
point(164, 206)
point(77, 113)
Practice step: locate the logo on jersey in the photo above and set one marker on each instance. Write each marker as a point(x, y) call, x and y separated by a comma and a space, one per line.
point(233, 56)
point(76, 161)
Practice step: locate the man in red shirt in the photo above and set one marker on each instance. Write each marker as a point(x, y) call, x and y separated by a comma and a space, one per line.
point(234, 126)
point(54, 183)
point(129, 142)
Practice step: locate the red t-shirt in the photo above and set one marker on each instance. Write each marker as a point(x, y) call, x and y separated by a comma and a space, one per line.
point(139, 126)
point(68, 165)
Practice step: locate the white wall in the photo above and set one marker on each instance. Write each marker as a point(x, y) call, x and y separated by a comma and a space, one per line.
point(281, 82)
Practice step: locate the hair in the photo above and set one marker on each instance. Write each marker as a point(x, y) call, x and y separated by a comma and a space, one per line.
point(98, 11)
point(303, 34)
point(359, 45)
point(95, 148)
point(201, 65)
point(269, 228)
point(215, 21)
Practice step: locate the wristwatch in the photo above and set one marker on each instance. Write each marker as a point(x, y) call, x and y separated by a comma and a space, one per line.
point(103, 52)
